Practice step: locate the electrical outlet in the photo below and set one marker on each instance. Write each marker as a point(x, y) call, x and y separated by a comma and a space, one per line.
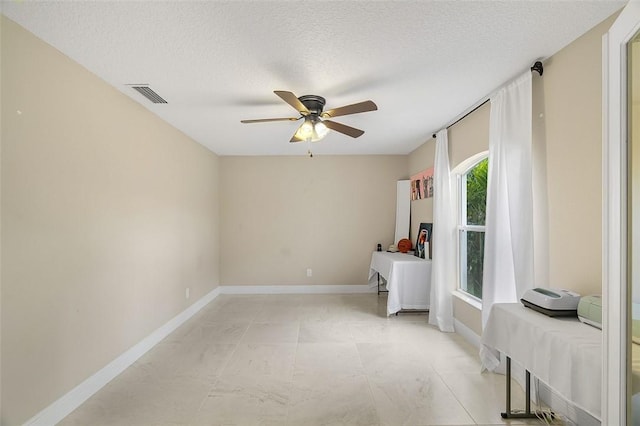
point(309, 272)
point(186, 293)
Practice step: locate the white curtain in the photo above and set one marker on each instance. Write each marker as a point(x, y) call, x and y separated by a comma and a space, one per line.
point(443, 240)
point(508, 246)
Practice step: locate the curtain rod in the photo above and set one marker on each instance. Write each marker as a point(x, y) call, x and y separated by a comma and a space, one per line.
point(537, 67)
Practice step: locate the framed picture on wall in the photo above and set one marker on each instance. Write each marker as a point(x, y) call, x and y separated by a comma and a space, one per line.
point(422, 185)
point(423, 241)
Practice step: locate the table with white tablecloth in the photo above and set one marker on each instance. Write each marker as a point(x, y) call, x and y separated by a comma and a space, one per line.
point(562, 352)
point(408, 280)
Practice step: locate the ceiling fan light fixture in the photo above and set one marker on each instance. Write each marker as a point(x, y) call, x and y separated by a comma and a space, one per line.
point(321, 129)
point(313, 129)
point(310, 107)
point(305, 131)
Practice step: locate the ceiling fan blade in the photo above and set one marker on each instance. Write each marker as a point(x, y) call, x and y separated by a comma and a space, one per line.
point(347, 130)
point(265, 120)
point(292, 100)
point(351, 109)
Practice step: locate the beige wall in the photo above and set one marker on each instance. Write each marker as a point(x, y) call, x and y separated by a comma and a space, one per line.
point(467, 313)
point(108, 214)
point(567, 158)
point(540, 184)
point(469, 136)
point(282, 215)
point(572, 92)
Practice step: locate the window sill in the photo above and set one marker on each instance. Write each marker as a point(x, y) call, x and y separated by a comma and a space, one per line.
point(468, 299)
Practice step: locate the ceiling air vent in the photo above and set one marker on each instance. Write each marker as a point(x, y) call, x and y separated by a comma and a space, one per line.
point(148, 93)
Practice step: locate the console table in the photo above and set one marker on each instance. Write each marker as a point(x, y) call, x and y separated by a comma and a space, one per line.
point(562, 352)
point(408, 279)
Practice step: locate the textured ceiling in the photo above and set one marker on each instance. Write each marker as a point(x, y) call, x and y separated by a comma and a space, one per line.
point(424, 63)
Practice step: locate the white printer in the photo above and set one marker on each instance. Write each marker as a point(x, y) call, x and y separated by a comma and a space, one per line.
point(590, 310)
point(552, 301)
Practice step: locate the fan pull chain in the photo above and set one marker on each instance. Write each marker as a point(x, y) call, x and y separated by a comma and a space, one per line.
point(309, 148)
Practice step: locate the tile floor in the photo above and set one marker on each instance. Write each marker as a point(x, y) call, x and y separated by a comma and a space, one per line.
point(302, 360)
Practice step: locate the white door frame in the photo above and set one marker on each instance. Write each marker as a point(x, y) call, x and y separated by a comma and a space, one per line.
point(614, 214)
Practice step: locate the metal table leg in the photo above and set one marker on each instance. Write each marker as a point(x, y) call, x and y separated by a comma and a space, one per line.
point(508, 414)
point(380, 291)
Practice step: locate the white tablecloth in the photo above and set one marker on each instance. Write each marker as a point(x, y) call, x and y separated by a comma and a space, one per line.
point(562, 352)
point(408, 279)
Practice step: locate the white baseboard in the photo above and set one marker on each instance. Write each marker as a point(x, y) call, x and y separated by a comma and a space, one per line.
point(61, 408)
point(573, 415)
point(296, 289)
point(469, 335)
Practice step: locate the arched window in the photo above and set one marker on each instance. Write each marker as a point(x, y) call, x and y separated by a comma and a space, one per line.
point(472, 206)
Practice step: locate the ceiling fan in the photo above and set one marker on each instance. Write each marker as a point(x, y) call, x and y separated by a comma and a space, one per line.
point(316, 124)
